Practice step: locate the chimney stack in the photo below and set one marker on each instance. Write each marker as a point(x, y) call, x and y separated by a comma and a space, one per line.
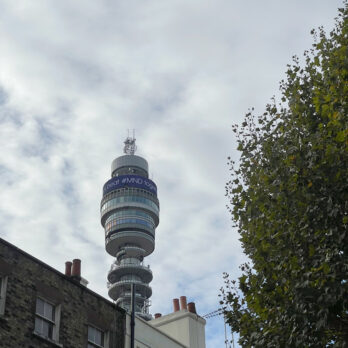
point(183, 302)
point(76, 268)
point(68, 265)
point(176, 305)
point(191, 307)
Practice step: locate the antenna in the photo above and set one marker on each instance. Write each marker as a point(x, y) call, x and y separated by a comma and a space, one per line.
point(129, 144)
point(215, 314)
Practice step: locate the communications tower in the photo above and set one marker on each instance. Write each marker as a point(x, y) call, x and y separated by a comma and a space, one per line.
point(130, 215)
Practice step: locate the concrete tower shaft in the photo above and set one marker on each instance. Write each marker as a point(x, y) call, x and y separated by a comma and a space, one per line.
point(130, 215)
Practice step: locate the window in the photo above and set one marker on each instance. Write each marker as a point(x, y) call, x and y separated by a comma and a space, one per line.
point(130, 213)
point(47, 319)
point(3, 285)
point(95, 337)
point(111, 224)
point(112, 203)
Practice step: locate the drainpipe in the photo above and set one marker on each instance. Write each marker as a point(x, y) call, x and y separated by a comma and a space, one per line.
point(132, 323)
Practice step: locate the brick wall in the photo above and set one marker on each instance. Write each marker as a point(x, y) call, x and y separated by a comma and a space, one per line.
point(29, 278)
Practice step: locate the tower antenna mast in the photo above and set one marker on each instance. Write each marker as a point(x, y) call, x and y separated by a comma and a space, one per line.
point(129, 144)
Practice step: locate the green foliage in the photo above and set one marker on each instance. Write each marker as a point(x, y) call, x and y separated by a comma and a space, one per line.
point(289, 200)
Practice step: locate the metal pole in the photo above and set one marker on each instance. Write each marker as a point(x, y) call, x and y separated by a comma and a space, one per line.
point(225, 332)
point(132, 323)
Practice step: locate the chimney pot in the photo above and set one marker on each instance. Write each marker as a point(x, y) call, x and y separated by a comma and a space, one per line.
point(68, 265)
point(176, 305)
point(183, 302)
point(76, 268)
point(158, 315)
point(191, 307)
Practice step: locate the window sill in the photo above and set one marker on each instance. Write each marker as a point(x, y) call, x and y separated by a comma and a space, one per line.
point(3, 318)
point(46, 339)
point(95, 345)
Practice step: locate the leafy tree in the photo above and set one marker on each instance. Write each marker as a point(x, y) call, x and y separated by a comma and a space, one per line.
point(289, 200)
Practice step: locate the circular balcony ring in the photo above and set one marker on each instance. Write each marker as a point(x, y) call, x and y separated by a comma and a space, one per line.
point(131, 251)
point(131, 227)
point(117, 289)
point(119, 271)
point(118, 240)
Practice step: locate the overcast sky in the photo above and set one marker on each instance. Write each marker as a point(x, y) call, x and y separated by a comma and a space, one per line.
point(75, 75)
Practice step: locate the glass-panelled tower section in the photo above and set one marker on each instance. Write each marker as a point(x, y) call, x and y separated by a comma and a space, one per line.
point(130, 215)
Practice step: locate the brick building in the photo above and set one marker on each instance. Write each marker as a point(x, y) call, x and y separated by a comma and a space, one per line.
point(42, 307)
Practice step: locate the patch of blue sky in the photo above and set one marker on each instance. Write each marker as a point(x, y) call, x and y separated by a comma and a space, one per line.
point(68, 187)
point(35, 150)
point(8, 114)
point(68, 191)
point(42, 142)
point(3, 96)
point(47, 136)
point(221, 223)
point(7, 176)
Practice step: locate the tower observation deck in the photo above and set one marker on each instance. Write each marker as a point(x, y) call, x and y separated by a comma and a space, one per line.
point(130, 214)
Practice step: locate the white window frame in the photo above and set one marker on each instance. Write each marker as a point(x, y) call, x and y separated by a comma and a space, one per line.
point(55, 322)
point(105, 337)
point(3, 288)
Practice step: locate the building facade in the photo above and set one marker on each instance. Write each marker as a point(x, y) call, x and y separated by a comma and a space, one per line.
point(183, 324)
point(41, 307)
point(147, 336)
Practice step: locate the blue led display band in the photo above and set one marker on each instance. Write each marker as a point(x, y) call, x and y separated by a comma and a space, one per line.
point(129, 181)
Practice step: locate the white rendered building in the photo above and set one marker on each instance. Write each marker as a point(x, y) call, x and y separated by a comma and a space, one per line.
point(182, 328)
